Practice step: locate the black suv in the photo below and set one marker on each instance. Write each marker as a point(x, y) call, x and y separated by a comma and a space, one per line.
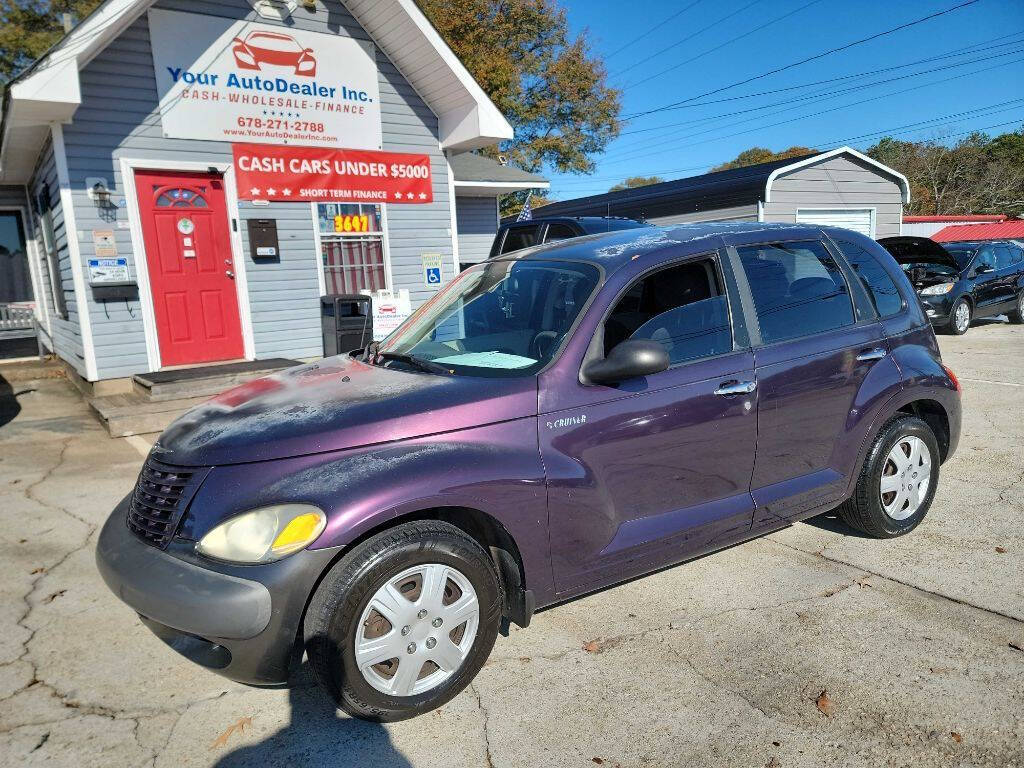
point(958, 282)
point(523, 234)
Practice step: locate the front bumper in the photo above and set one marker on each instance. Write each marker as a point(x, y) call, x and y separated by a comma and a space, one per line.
point(937, 308)
point(240, 620)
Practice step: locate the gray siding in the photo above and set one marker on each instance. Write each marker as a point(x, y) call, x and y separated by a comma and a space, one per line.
point(738, 213)
point(477, 220)
point(843, 182)
point(67, 333)
point(283, 295)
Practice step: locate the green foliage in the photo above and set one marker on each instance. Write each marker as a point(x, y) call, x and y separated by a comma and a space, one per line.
point(28, 28)
point(636, 181)
point(978, 174)
point(546, 83)
point(756, 155)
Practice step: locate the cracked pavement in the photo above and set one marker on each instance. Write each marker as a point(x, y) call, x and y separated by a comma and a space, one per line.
point(917, 641)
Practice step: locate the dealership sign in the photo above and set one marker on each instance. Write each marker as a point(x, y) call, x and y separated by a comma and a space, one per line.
point(330, 175)
point(241, 81)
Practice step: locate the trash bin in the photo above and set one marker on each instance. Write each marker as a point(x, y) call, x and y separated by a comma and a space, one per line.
point(346, 321)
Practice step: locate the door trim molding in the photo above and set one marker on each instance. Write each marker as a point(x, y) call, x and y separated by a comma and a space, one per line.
point(128, 168)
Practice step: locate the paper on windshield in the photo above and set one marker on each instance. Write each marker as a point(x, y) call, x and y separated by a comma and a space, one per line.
point(491, 359)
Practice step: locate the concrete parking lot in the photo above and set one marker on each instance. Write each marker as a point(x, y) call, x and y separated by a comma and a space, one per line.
point(814, 646)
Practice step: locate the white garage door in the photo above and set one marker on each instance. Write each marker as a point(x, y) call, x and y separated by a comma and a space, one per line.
point(858, 219)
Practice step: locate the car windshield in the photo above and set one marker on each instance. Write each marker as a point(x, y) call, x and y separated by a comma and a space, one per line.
point(272, 42)
point(962, 253)
point(496, 319)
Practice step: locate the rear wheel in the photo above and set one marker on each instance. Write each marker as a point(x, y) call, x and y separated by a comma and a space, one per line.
point(405, 621)
point(960, 317)
point(897, 483)
point(1017, 314)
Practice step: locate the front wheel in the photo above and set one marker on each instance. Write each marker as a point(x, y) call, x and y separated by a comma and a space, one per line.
point(404, 621)
point(897, 483)
point(960, 317)
point(1017, 314)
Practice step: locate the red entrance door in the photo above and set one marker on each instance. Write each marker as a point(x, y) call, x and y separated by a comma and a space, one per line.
point(191, 272)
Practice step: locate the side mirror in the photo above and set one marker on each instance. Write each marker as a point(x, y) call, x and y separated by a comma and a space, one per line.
point(983, 269)
point(628, 360)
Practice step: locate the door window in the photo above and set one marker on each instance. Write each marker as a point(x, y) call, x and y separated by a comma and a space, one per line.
point(559, 231)
point(683, 308)
point(520, 237)
point(986, 256)
point(879, 286)
point(798, 289)
point(1004, 257)
point(351, 247)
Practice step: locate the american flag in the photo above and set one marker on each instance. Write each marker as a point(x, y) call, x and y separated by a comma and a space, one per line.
point(526, 214)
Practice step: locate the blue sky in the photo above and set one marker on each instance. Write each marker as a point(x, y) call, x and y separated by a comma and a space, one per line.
point(679, 59)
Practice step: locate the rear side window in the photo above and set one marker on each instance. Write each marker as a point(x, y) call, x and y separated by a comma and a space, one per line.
point(1017, 255)
point(879, 286)
point(520, 237)
point(1004, 256)
point(798, 289)
point(683, 308)
point(559, 231)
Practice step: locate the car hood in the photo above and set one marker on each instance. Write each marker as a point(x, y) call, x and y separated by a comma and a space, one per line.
point(918, 250)
point(334, 404)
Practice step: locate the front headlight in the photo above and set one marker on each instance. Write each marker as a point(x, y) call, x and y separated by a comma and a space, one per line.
point(265, 534)
point(937, 290)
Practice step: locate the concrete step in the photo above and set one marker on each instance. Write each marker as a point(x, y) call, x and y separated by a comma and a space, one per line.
point(135, 414)
point(205, 381)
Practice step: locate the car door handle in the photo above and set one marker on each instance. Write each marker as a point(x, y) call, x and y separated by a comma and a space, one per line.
point(872, 354)
point(727, 388)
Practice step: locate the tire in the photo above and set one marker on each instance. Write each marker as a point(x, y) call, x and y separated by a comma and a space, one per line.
point(1017, 314)
point(957, 325)
point(866, 510)
point(342, 612)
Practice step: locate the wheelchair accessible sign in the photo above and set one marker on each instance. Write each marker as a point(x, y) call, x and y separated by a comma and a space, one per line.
point(431, 269)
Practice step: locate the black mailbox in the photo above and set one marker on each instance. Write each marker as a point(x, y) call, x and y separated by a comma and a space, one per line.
point(263, 239)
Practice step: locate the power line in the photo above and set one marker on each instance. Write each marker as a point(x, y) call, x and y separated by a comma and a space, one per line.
point(948, 55)
point(808, 59)
point(689, 37)
point(723, 45)
point(651, 29)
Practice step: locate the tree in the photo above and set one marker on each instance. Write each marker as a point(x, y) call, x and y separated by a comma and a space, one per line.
point(547, 83)
point(636, 181)
point(28, 28)
point(756, 155)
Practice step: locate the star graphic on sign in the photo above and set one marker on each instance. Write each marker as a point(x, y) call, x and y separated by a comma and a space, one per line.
point(271, 191)
point(398, 195)
point(409, 195)
point(286, 192)
point(423, 195)
point(254, 191)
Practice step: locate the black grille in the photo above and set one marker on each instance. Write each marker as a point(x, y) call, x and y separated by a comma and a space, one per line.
point(161, 495)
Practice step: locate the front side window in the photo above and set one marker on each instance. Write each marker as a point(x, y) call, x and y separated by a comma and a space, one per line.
point(497, 319)
point(798, 289)
point(879, 286)
point(520, 237)
point(351, 247)
point(683, 308)
point(986, 256)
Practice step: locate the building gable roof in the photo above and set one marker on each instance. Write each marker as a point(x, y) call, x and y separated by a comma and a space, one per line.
point(707, 192)
point(49, 91)
point(478, 175)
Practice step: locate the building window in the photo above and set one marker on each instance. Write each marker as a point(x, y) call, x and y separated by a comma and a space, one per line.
point(44, 223)
point(351, 247)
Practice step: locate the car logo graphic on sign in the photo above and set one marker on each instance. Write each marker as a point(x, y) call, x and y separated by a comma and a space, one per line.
point(276, 49)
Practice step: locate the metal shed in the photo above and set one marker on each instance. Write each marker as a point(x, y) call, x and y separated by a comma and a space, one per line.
point(841, 187)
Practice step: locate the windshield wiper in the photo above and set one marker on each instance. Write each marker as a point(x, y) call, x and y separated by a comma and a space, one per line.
point(416, 362)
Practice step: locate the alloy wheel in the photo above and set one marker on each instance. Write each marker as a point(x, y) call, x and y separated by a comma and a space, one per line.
point(905, 477)
point(962, 316)
point(417, 630)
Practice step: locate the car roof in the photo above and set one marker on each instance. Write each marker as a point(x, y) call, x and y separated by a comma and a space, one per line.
point(611, 250)
point(583, 221)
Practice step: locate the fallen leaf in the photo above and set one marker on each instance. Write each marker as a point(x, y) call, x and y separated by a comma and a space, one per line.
point(776, 744)
point(597, 760)
point(239, 728)
point(34, 571)
point(1001, 550)
point(824, 704)
point(773, 763)
point(524, 659)
point(592, 646)
point(50, 598)
point(956, 736)
point(602, 644)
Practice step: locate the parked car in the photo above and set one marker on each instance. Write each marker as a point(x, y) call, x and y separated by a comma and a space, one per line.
point(958, 282)
point(551, 423)
point(517, 235)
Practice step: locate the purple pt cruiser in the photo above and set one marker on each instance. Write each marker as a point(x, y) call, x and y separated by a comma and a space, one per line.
point(554, 421)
